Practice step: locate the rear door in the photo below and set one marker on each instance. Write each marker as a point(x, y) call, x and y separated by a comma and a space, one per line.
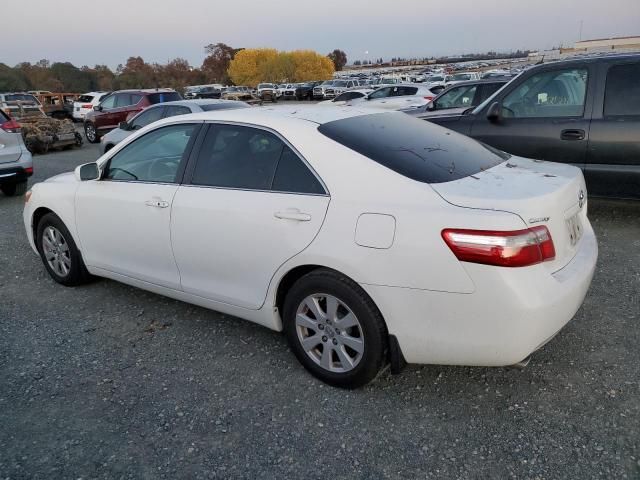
point(613, 157)
point(545, 116)
point(249, 203)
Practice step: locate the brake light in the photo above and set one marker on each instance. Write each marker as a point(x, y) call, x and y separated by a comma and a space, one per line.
point(428, 98)
point(87, 105)
point(518, 248)
point(28, 170)
point(10, 126)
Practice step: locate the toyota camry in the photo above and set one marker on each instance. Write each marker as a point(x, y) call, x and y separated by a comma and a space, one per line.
point(367, 237)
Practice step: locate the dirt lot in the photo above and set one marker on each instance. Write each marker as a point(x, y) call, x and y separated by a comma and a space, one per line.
point(106, 381)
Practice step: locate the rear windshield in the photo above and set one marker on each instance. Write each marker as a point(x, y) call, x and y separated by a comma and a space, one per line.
point(85, 98)
point(3, 117)
point(414, 148)
point(164, 97)
point(20, 97)
point(223, 106)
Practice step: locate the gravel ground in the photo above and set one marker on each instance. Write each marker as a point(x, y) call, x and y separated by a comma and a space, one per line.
point(107, 381)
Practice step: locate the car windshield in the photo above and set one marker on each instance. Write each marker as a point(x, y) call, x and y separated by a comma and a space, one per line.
point(340, 83)
point(328, 82)
point(436, 78)
point(265, 85)
point(461, 76)
point(20, 97)
point(414, 148)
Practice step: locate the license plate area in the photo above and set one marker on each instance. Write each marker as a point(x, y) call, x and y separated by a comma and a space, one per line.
point(574, 227)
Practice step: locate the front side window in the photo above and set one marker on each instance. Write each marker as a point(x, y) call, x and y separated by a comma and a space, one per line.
point(174, 110)
point(457, 97)
point(109, 102)
point(404, 91)
point(145, 118)
point(162, 97)
point(622, 92)
point(380, 93)
point(154, 157)
point(558, 93)
point(248, 158)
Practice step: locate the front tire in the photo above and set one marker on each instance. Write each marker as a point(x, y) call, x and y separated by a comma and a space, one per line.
point(59, 252)
point(14, 189)
point(334, 329)
point(91, 133)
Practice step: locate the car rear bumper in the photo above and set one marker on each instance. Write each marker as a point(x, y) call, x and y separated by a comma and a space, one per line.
point(17, 171)
point(511, 313)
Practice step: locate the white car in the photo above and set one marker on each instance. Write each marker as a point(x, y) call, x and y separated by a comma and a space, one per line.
point(85, 103)
point(348, 96)
point(365, 236)
point(339, 86)
point(397, 97)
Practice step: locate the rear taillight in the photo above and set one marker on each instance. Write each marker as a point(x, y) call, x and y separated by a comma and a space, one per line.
point(518, 248)
point(10, 126)
point(428, 98)
point(87, 105)
point(28, 170)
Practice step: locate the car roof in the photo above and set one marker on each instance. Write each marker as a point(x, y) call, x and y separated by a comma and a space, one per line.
point(199, 102)
point(277, 114)
point(145, 90)
point(483, 80)
point(590, 58)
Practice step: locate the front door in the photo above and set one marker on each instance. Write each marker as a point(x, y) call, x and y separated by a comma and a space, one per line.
point(546, 117)
point(250, 204)
point(123, 218)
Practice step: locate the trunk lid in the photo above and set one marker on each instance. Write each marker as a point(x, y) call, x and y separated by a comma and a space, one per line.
point(540, 193)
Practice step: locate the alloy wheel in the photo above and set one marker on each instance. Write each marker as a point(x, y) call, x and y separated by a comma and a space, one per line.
point(56, 251)
point(329, 333)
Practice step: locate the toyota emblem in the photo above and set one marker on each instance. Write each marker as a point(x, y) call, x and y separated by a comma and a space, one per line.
point(581, 198)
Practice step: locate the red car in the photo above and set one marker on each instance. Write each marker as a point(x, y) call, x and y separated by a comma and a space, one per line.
point(115, 108)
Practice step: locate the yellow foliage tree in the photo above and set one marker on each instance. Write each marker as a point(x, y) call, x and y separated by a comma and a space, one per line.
point(255, 65)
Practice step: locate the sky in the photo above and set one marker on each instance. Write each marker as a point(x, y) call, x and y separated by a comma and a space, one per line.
point(86, 33)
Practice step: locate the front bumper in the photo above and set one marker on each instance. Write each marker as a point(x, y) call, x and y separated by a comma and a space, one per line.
point(511, 313)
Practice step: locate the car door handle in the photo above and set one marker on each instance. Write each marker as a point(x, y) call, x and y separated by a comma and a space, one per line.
point(572, 135)
point(293, 215)
point(157, 203)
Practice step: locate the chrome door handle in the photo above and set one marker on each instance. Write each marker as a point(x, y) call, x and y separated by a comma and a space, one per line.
point(294, 215)
point(157, 203)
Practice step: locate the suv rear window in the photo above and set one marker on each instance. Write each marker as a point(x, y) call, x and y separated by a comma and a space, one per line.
point(85, 98)
point(20, 97)
point(162, 97)
point(414, 148)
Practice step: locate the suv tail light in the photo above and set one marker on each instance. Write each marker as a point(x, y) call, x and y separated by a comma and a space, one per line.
point(518, 248)
point(428, 97)
point(87, 105)
point(10, 126)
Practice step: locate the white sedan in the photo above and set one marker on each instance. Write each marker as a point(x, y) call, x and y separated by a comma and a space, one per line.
point(347, 97)
point(365, 236)
point(396, 97)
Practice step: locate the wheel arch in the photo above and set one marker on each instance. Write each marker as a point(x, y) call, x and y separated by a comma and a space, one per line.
point(37, 215)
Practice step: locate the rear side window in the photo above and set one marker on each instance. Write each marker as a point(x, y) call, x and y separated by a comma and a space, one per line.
point(229, 105)
point(622, 93)
point(85, 98)
point(411, 147)
point(123, 100)
point(162, 97)
point(3, 117)
point(248, 158)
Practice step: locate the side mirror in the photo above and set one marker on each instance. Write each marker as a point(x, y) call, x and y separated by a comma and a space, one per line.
point(88, 171)
point(124, 126)
point(494, 113)
point(97, 108)
point(431, 106)
point(367, 97)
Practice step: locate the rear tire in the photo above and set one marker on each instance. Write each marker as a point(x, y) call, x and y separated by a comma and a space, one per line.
point(14, 189)
point(59, 252)
point(334, 329)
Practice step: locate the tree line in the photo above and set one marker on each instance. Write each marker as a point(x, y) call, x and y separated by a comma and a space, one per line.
point(271, 66)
